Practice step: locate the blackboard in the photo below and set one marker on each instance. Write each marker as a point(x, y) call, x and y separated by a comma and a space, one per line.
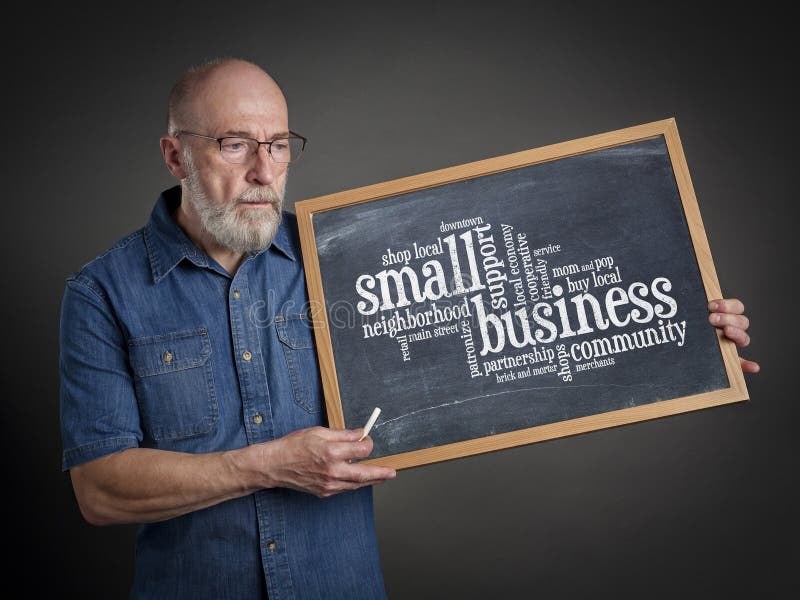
point(530, 296)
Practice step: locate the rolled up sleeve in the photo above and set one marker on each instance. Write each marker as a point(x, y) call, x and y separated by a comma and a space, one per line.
point(99, 412)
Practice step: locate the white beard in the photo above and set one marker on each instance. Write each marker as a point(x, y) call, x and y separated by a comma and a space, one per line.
point(244, 230)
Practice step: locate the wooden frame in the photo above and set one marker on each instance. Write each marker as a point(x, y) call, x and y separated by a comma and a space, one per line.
point(667, 128)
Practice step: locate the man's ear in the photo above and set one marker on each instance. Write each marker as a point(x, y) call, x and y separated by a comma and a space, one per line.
point(173, 157)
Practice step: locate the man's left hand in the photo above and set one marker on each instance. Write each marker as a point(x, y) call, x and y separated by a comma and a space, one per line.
point(728, 315)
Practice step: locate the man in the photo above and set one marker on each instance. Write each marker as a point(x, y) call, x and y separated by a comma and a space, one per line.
point(191, 400)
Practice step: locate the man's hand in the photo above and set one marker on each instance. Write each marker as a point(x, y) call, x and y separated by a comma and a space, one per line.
point(317, 461)
point(728, 315)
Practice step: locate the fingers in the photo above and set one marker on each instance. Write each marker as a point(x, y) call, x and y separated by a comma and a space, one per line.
point(352, 477)
point(346, 444)
point(343, 476)
point(340, 435)
point(738, 336)
point(723, 319)
point(749, 366)
point(726, 305)
point(350, 450)
point(728, 315)
point(364, 474)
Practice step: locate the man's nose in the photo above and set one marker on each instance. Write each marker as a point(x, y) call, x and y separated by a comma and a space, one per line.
point(263, 168)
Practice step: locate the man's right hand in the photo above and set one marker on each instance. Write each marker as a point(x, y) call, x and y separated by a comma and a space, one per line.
point(317, 461)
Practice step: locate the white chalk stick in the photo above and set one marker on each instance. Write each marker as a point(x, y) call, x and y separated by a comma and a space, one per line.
point(373, 417)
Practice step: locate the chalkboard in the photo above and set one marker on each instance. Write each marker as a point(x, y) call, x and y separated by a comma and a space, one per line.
point(517, 299)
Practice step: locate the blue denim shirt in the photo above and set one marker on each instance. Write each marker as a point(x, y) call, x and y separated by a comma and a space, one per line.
point(162, 348)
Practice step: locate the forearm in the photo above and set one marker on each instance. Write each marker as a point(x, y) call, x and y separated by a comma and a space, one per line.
point(142, 485)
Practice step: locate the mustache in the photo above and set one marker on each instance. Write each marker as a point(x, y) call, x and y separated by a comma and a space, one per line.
point(264, 194)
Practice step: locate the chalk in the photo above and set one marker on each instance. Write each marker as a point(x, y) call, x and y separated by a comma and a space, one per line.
point(371, 422)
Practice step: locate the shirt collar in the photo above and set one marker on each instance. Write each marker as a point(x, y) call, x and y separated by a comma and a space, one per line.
point(167, 244)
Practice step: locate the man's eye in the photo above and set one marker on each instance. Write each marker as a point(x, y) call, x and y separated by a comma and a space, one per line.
point(234, 146)
point(280, 145)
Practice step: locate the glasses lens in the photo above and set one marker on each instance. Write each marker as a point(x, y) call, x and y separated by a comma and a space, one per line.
point(286, 150)
point(237, 150)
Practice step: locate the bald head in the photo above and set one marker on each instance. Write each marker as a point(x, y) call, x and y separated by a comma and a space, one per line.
point(228, 207)
point(205, 93)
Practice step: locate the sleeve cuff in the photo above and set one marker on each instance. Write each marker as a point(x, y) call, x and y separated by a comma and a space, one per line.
point(81, 454)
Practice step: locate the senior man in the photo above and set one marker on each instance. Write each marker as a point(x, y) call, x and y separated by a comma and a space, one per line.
point(191, 398)
point(190, 394)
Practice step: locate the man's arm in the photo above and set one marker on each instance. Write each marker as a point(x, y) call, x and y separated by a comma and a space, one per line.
point(728, 315)
point(142, 485)
point(116, 481)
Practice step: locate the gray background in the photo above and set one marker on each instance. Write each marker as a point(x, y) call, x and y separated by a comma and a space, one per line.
point(697, 505)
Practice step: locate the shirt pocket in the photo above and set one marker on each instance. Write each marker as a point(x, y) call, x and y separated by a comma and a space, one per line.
point(174, 383)
point(294, 332)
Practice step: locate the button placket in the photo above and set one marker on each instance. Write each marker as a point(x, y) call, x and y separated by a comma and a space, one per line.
point(257, 425)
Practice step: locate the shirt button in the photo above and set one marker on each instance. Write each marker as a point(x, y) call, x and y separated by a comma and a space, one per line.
point(247, 355)
point(236, 294)
point(257, 419)
point(167, 357)
point(272, 545)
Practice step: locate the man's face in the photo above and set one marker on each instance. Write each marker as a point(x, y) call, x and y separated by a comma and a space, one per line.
point(239, 205)
point(245, 224)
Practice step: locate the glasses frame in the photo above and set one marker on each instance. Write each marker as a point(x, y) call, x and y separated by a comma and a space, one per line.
point(292, 134)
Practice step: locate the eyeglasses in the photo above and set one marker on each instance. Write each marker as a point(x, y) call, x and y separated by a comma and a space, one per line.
point(237, 150)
